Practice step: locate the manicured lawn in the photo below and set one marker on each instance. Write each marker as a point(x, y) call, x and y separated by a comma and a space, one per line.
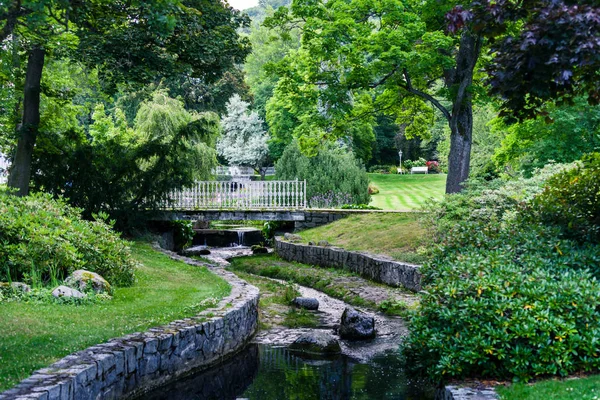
point(587, 388)
point(397, 235)
point(34, 336)
point(406, 192)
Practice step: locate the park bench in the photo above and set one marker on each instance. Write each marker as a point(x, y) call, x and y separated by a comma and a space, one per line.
point(419, 170)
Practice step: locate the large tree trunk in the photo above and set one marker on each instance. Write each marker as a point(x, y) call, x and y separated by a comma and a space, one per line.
point(20, 172)
point(461, 120)
point(459, 159)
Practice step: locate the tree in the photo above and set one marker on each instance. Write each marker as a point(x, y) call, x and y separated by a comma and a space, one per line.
point(244, 142)
point(134, 41)
point(126, 170)
point(533, 143)
point(334, 175)
point(547, 50)
point(364, 56)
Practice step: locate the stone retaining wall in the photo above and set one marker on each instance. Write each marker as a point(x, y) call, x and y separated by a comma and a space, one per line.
point(466, 393)
point(317, 218)
point(378, 269)
point(128, 366)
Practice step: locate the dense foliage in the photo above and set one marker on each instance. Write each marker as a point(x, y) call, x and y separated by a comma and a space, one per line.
point(560, 134)
point(334, 176)
point(508, 292)
point(571, 201)
point(553, 54)
point(126, 43)
point(127, 170)
point(44, 240)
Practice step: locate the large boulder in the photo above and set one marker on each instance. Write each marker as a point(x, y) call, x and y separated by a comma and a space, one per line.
point(65, 291)
point(291, 237)
point(317, 342)
point(308, 303)
point(356, 325)
point(20, 286)
point(85, 280)
point(257, 249)
point(15, 286)
point(195, 251)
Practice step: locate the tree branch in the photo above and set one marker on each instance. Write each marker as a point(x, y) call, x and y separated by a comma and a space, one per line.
point(11, 17)
point(409, 88)
point(385, 78)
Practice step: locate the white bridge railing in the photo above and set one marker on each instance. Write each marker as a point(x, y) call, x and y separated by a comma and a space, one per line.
point(251, 195)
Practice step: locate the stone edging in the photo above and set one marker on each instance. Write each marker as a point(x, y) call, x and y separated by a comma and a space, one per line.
point(392, 273)
point(128, 366)
point(453, 392)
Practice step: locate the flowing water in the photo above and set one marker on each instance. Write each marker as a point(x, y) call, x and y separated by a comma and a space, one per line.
point(267, 370)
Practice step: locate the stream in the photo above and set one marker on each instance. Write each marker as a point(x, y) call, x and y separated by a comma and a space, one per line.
point(267, 370)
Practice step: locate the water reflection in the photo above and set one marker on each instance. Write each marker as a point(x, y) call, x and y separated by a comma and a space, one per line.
point(270, 373)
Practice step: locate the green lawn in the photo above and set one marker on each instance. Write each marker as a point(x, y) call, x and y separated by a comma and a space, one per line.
point(397, 235)
point(35, 336)
point(406, 192)
point(587, 388)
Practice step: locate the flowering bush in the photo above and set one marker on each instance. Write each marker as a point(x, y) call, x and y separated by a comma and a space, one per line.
point(433, 166)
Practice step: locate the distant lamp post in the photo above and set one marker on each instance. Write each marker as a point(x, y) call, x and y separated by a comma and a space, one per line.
point(400, 156)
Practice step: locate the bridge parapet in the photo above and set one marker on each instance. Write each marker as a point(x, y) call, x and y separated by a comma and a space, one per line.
point(251, 195)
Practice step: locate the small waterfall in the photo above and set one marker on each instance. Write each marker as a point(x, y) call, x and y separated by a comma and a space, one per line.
point(241, 238)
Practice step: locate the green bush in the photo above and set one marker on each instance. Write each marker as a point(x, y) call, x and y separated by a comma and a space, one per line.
point(183, 234)
point(44, 240)
point(571, 200)
point(383, 169)
point(408, 164)
point(507, 293)
point(486, 314)
point(128, 170)
point(334, 175)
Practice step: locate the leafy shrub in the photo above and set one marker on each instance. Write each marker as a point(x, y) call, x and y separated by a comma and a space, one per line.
point(383, 169)
point(571, 200)
point(269, 228)
point(44, 296)
point(359, 207)
point(126, 170)
point(183, 234)
point(373, 189)
point(334, 175)
point(43, 240)
point(408, 164)
point(433, 166)
point(485, 315)
point(508, 294)
point(329, 199)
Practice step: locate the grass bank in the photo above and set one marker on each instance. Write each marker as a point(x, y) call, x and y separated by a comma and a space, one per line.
point(275, 307)
point(585, 388)
point(397, 235)
point(406, 192)
point(337, 283)
point(33, 336)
